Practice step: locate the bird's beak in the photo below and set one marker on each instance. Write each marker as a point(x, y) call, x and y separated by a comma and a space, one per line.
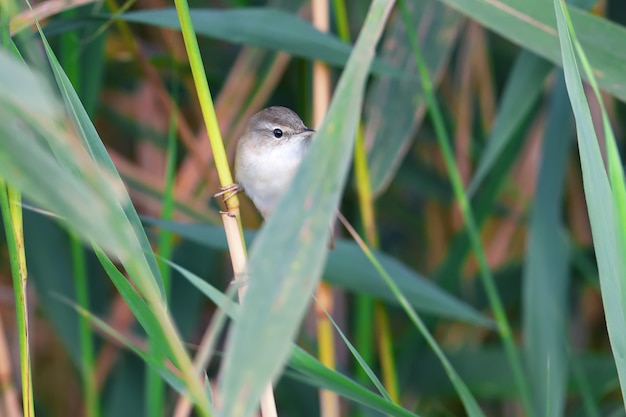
point(305, 134)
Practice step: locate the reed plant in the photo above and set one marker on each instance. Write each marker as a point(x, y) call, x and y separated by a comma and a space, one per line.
point(470, 150)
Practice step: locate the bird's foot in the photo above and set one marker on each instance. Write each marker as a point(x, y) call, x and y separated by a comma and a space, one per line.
point(228, 191)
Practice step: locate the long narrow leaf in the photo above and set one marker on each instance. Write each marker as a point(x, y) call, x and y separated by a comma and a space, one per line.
point(348, 268)
point(545, 280)
point(394, 107)
point(607, 230)
point(287, 258)
point(310, 370)
point(530, 24)
point(264, 27)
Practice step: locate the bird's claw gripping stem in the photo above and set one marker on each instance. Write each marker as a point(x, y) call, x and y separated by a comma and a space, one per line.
point(228, 191)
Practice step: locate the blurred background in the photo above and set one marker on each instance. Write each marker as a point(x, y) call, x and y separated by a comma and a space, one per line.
point(512, 130)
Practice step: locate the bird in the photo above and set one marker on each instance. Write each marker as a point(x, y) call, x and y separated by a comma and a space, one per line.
point(267, 157)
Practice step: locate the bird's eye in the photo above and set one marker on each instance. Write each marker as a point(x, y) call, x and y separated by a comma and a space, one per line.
point(278, 133)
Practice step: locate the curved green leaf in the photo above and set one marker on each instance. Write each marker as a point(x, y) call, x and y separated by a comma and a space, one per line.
point(348, 268)
point(310, 370)
point(319, 375)
point(64, 168)
point(287, 258)
point(605, 193)
point(394, 106)
point(531, 24)
point(265, 27)
point(546, 278)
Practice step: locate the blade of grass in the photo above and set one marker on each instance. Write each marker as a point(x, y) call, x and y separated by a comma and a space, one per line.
point(98, 152)
point(605, 194)
point(386, 347)
point(443, 139)
point(165, 333)
point(524, 87)
point(582, 381)
point(206, 349)
point(395, 106)
point(341, 20)
point(321, 91)
point(87, 361)
point(546, 278)
point(166, 237)
point(69, 61)
point(170, 376)
point(286, 260)
point(318, 375)
point(263, 27)
point(355, 353)
point(10, 205)
point(9, 398)
point(530, 24)
point(469, 402)
point(232, 221)
point(348, 268)
point(69, 182)
point(135, 302)
point(449, 272)
point(155, 389)
point(311, 370)
point(364, 305)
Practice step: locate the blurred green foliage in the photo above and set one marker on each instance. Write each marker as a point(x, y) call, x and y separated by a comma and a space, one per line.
point(501, 89)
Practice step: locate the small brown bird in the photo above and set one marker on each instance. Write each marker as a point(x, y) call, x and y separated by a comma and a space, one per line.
point(268, 155)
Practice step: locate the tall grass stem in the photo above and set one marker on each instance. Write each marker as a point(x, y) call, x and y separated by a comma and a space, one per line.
point(443, 140)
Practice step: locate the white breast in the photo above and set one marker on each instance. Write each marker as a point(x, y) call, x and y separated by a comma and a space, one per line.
point(265, 173)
